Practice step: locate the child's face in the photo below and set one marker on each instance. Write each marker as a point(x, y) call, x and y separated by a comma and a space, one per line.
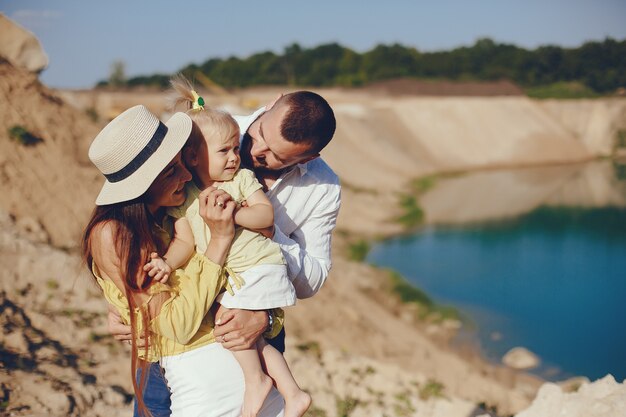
point(223, 157)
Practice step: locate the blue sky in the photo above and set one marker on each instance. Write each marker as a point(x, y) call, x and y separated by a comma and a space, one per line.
point(83, 38)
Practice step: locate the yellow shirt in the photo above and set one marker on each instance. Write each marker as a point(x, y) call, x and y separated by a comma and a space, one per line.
point(248, 248)
point(184, 322)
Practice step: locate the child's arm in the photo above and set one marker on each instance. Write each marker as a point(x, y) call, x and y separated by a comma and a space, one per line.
point(182, 245)
point(178, 252)
point(258, 213)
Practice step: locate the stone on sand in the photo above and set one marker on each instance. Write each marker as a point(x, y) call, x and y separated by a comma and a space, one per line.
point(520, 358)
point(602, 398)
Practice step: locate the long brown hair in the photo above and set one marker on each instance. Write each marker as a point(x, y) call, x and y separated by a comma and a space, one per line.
point(134, 241)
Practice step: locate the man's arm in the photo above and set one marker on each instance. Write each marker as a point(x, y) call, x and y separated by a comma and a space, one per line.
point(307, 250)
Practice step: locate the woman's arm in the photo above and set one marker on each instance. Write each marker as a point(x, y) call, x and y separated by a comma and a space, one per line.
point(105, 256)
point(258, 213)
point(179, 316)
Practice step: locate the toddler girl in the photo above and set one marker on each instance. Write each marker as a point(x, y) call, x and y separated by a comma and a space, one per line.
point(212, 156)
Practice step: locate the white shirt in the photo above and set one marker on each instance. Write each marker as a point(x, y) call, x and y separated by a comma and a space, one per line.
point(306, 200)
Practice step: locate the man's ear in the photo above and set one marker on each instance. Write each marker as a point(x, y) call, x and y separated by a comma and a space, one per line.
point(272, 103)
point(190, 156)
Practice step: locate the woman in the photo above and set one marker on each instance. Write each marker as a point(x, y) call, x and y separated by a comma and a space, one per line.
point(140, 158)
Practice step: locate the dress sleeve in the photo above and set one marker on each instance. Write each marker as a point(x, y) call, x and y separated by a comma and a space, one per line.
point(248, 184)
point(194, 289)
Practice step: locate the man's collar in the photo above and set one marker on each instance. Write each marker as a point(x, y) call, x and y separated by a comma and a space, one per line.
point(303, 168)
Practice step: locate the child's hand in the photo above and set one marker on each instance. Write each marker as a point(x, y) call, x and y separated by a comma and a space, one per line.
point(157, 268)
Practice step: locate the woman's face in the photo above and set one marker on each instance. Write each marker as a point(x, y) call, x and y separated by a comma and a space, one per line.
point(168, 189)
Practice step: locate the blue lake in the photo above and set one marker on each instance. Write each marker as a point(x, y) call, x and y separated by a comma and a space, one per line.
point(552, 279)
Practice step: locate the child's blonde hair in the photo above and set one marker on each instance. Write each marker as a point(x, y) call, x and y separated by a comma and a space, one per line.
point(213, 123)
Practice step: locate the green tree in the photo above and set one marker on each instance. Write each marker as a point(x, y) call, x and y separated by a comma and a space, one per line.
point(117, 76)
point(594, 66)
point(384, 62)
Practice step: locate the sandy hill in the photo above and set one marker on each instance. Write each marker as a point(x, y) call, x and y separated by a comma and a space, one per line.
point(384, 141)
point(49, 186)
point(413, 87)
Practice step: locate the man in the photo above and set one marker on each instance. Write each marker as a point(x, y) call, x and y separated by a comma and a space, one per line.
point(281, 143)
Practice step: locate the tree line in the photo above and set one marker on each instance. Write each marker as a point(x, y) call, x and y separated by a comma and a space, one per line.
point(598, 65)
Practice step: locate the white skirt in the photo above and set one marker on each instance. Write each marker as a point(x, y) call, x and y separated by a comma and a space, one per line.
point(266, 286)
point(208, 382)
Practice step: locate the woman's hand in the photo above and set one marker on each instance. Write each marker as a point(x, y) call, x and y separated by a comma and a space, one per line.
point(119, 330)
point(216, 208)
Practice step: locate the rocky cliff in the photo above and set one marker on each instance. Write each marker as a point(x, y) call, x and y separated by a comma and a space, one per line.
point(20, 47)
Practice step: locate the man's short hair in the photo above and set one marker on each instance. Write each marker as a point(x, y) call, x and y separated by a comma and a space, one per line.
point(309, 120)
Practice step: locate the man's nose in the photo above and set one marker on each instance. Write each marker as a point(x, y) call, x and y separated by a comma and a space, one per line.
point(258, 148)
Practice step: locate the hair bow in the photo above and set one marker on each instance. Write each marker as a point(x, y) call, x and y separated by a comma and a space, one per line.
point(198, 102)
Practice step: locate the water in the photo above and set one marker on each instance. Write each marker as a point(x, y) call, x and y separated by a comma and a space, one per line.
point(551, 279)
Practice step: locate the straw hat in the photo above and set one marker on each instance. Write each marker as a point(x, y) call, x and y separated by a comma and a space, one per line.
point(133, 149)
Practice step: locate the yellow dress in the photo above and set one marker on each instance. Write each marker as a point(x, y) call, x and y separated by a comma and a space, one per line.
point(257, 260)
point(248, 248)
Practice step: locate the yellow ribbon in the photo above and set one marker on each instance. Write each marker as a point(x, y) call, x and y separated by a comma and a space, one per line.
point(237, 280)
point(198, 102)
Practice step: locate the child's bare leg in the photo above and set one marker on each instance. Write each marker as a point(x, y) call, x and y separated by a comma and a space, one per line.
point(258, 384)
point(296, 400)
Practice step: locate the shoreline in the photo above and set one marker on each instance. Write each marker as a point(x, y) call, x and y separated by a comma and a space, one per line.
point(357, 234)
point(458, 332)
point(391, 333)
point(479, 338)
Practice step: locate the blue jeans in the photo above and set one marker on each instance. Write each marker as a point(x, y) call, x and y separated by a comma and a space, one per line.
point(156, 395)
point(278, 342)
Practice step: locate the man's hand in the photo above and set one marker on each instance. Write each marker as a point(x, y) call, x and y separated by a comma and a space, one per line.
point(240, 329)
point(118, 329)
